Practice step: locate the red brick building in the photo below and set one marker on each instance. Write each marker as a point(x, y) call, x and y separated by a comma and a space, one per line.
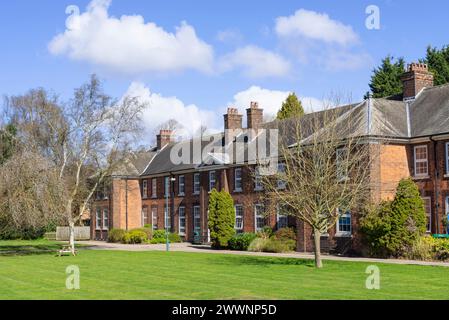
point(409, 136)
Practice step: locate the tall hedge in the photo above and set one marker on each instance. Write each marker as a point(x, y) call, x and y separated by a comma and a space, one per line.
point(221, 218)
point(392, 228)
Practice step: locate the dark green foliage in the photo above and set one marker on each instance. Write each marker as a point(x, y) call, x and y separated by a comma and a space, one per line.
point(241, 242)
point(438, 62)
point(7, 142)
point(221, 218)
point(9, 231)
point(386, 79)
point(285, 234)
point(159, 234)
point(116, 235)
point(392, 228)
point(292, 107)
point(159, 237)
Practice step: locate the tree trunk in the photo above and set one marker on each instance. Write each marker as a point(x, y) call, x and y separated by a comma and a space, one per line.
point(317, 239)
point(72, 237)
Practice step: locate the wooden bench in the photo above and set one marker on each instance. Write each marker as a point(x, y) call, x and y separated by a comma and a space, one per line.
point(66, 249)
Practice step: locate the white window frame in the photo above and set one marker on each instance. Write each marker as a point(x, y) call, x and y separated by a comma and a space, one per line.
point(239, 216)
point(340, 233)
point(416, 161)
point(447, 158)
point(154, 217)
point(341, 176)
point(280, 216)
point(154, 188)
point(182, 220)
point(257, 215)
point(182, 186)
point(105, 219)
point(447, 212)
point(258, 186)
point(98, 219)
point(281, 183)
point(196, 183)
point(197, 219)
point(428, 214)
point(145, 189)
point(143, 216)
point(214, 180)
point(238, 179)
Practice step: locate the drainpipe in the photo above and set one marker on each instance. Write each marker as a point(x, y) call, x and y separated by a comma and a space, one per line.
point(436, 182)
point(126, 200)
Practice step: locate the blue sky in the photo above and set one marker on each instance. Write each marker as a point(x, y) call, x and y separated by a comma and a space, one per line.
point(197, 57)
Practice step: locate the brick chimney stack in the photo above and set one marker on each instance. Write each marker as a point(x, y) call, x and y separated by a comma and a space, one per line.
point(415, 79)
point(233, 120)
point(254, 116)
point(164, 138)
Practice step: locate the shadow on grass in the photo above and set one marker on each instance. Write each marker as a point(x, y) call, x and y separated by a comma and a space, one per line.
point(26, 250)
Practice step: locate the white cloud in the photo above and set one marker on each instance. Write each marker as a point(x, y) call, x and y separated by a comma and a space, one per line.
point(231, 36)
point(271, 101)
point(316, 26)
point(128, 44)
point(256, 62)
point(162, 109)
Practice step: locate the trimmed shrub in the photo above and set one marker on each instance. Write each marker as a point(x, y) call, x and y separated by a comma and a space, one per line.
point(428, 248)
point(135, 237)
point(159, 234)
point(159, 238)
point(148, 232)
point(285, 234)
point(241, 242)
point(221, 218)
point(392, 228)
point(272, 245)
point(116, 235)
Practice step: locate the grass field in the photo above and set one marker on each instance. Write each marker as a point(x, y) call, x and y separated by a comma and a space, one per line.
point(158, 275)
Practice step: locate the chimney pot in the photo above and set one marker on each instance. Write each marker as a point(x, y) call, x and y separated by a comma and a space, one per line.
point(254, 116)
point(416, 79)
point(233, 120)
point(164, 138)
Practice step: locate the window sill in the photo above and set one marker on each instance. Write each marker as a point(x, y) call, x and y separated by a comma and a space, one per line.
point(181, 195)
point(446, 175)
point(426, 177)
point(238, 191)
point(258, 189)
point(343, 235)
point(196, 193)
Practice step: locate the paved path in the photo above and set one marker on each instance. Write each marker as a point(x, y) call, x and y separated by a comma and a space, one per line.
point(187, 247)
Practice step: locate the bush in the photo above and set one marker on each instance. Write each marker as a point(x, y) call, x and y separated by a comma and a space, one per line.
point(174, 238)
point(392, 228)
point(427, 248)
point(116, 235)
point(160, 238)
point(285, 234)
point(148, 232)
point(272, 245)
point(135, 237)
point(159, 234)
point(241, 242)
point(266, 233)
point(221, 218)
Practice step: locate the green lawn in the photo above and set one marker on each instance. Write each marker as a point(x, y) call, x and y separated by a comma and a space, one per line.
point(158, 275)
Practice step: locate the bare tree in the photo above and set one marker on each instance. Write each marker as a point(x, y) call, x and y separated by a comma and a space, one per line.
point(325, 172)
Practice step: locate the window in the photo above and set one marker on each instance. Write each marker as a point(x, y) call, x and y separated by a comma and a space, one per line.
point(197, 219)
point(145, 216)
point(428, 210)
point(344, 223)
point(154, 188)
point(212, 180)
point(167, 218)
point(342, 171)
point(259, 217)
point(106, 193)
point(447, 213)
point(154, 217)
point(98, 219)
point(238, 179)
point(145, 189)
point(166, 187)
point(182, 185)
point(447, 158)
point(282, 184)
point(105, 219)
point(281, 218)
point(182, 220)
point(239, 217)
point(196, 183)
point(421, 164)
point(258, 180)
